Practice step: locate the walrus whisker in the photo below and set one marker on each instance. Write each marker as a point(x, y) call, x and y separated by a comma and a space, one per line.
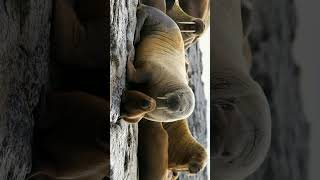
point(162, 108)
point(164, 98)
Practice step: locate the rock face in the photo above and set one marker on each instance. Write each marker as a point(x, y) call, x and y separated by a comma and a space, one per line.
point(123, 136)
point(24, 56)
point(274, 24)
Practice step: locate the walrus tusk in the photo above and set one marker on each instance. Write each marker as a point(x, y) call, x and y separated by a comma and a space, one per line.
point(188, 31)
point(162, 98)
point(187, 22)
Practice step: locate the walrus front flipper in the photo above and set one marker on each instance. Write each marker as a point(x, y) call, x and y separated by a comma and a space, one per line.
point(185, 153)
point(152, 151)
point(135, 105)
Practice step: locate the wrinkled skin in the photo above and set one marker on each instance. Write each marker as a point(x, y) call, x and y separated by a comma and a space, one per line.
point(159, 68)
point(182, 11)
point(168, 146)
point(242, 122)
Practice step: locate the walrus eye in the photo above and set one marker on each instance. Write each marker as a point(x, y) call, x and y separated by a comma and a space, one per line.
point(145, 104)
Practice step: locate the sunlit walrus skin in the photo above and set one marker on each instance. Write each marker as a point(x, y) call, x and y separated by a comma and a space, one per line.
point(192, 16)
point(168, 146)
point(242, 120)
point(158, 69)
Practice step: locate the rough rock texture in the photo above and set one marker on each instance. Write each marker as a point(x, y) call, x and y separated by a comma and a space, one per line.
point(24, 55)
point(123, 137)
point(274, 25)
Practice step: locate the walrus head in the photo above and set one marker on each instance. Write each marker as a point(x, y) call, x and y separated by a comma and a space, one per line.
point(242, 134)
point(173, 105)
point(190, 25)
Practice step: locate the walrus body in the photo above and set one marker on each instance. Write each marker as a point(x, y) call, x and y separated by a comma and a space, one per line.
point(168, 146)
point(191, 16)
point(159, 66)
point(242, 122)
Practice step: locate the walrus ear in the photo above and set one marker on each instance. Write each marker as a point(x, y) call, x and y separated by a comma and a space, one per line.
point(141, 18)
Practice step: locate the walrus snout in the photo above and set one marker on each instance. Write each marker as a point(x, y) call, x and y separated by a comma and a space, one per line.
point(195, 26)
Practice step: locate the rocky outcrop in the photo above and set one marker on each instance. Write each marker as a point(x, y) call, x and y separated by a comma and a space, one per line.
point(274, 24)
point(24, 56)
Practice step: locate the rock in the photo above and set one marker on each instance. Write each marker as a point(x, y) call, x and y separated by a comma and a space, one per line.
point(274, 24)
point(123, 136)
point(24, 55)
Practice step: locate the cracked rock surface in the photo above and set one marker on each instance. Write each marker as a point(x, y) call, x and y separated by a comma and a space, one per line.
point(24, 56)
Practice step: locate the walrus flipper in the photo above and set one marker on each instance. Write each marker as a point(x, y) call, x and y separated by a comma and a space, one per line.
point(185, 153)
point(152, 151)
point(135, 105)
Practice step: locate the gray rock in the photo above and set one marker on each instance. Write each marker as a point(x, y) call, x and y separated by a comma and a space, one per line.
point(24, 55)
point(123, 136)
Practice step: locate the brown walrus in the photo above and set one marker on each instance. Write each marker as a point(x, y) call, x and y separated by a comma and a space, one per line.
point(242, 121)
point(159, 69)
point(191, 16)
point(168, 146)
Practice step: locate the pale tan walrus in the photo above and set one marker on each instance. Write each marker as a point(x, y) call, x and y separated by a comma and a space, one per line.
point(168, 146)
point(191, 16)
point(242, 122)
point(159, 68)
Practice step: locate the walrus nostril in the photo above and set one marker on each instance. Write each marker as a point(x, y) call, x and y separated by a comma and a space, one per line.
point(174, 103)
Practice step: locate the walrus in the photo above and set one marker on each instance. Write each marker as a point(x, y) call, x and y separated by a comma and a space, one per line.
point(159, 68)
point(168, 146)
point(242, 120)
point(191, 16)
